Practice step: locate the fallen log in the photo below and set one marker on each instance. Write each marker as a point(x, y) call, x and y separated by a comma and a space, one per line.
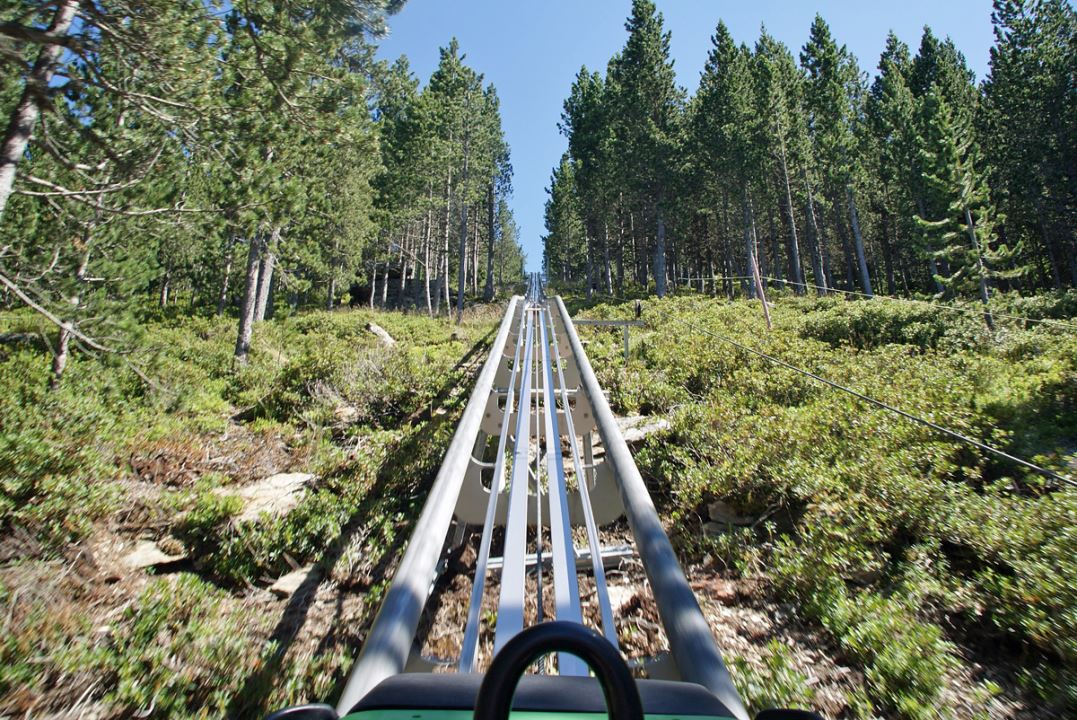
point(382, 334)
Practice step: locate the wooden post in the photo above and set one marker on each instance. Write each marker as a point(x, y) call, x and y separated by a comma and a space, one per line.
point(762, 291)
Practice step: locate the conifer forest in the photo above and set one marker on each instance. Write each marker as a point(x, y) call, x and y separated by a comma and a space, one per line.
point(799, 165)
point(261, 279)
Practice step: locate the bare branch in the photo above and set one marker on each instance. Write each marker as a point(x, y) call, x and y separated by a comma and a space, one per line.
point(44, 312)
point(60, 191)
point(37, 36)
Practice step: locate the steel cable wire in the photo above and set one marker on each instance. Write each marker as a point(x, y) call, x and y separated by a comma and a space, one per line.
point(876, 296)
point(872, 401)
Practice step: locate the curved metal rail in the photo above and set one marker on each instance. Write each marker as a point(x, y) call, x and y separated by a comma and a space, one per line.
point(539, 395)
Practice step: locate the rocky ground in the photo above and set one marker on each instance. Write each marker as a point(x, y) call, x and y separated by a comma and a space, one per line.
point(318, 613)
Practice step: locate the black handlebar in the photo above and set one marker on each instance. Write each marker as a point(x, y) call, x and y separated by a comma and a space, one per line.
point(499, 684)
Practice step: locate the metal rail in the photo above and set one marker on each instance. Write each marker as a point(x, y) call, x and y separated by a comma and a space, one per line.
point(539, 395)
point(690, 640)
point(386, 649)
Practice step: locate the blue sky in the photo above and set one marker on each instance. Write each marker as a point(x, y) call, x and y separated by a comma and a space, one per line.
point(532, 49)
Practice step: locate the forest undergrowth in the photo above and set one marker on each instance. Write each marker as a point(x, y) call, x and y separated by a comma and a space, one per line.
point(916, 556)
point(106, 460)
point(915, 553)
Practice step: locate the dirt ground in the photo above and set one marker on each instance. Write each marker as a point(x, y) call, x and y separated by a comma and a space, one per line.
point(326, 619)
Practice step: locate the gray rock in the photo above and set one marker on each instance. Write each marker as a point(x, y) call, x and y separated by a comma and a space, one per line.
point(721, 512)
point(148, 554)
point(713, 529)
point(275, 495)
point(286, 585)
point(635, 428)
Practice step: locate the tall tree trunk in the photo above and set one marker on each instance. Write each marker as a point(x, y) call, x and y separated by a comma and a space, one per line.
point(491, 227)
point(590, 262)
point(750, 269)
point(418, 284)
point(443, 261)
point(710, 271)
point(815, 238)
point(403, 286)
point(445, 284)
point(775, 251)
point(858, 239)
point(660, 251)
point(222, 297)
point(728, 263)
point(753, 261)
point(427, 236)
point(463, 235)
point(462, 271)
point(475, 254)
point(63, 344)
point(759, 259)
point(331, 295)
point(445, 240)
point(607, 272)
point(59, 359)
point(373, 284)
point(620, 247)
point(795, 271)
point(888, 253)
point(250, 297)
point(265, 274)
point(385, 286)
point(984, 295)
point(501, 264)
point(933, 268)
point(846, 246)
point(166, 288)
point(34, 96)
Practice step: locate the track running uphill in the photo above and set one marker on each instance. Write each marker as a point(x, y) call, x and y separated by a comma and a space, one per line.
point(538, 466)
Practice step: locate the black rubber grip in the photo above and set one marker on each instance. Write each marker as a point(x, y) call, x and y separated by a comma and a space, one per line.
point(499, 684)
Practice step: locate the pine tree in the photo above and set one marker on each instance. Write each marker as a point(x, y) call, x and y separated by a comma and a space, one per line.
point(585, 121)
point(833, 101)
point(779, 106)
point(647, 106)
point(723, 130)
point(964, 231)
point(1030, 124)
point(892, 117)
point(565, 244)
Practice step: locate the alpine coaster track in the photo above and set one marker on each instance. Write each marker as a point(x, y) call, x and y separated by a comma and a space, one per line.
point(536, 411)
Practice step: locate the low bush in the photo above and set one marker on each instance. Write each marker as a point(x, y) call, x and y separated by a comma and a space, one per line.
point(774, 683)
point(880, 529)
point(180, 653)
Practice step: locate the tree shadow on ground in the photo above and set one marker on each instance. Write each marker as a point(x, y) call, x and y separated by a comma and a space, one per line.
point(399, 490)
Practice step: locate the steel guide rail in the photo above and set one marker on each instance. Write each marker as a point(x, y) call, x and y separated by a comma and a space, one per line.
point(540, 396)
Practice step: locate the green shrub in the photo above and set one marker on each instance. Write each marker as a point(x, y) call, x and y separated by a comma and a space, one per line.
point(776, 684)
point(181, 652)
point(905, 660)
point(55, 471)
point(876, 526)
point(868, 324)
point(1055, 305)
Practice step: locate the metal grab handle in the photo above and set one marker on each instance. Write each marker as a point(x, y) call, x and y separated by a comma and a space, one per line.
point(499, 684)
